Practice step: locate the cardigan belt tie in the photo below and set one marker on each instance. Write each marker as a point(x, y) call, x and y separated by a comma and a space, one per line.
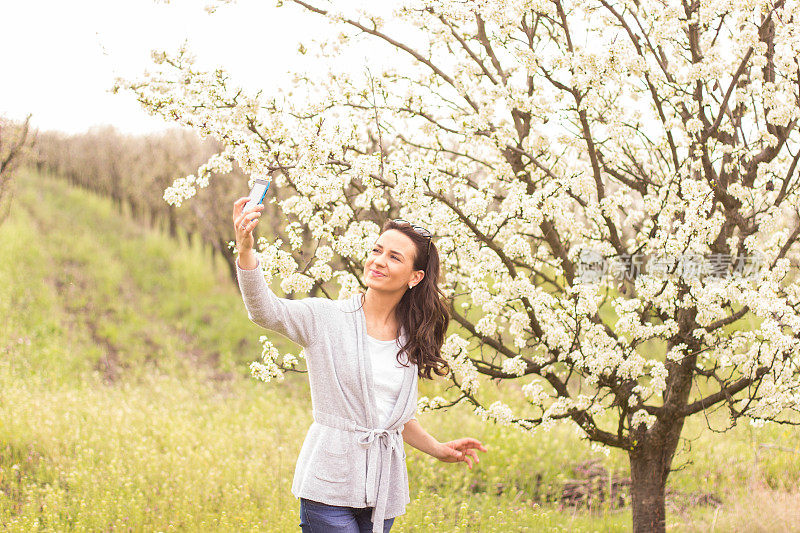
point(381, 445)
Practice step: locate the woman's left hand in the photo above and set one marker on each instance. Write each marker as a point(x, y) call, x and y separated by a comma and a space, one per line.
point(460, 450)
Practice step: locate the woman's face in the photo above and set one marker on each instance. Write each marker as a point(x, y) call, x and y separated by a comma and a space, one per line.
point(392, 255)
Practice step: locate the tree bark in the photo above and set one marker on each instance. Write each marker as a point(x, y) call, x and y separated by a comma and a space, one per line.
point(651, 461)
point(173, 223)
point(230, 259)
point(648, 485)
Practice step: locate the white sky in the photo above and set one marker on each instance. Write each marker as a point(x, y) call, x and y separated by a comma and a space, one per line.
point(60, 57)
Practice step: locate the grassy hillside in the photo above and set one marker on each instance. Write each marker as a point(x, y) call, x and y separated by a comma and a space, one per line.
point(126, 405)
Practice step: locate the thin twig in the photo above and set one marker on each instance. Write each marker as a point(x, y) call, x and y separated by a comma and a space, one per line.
point(377, 122)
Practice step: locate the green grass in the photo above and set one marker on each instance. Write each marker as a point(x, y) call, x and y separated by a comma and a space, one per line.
point(126, 405)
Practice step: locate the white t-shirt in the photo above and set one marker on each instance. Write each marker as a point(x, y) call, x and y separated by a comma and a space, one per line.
point(387, 375)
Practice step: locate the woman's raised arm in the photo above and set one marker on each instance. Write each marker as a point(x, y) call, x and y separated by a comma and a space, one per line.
point(298, 320)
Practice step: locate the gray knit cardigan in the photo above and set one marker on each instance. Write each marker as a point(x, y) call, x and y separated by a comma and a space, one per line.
point(346, 458)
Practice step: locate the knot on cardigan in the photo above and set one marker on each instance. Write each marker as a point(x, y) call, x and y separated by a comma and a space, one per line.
point(369, 435)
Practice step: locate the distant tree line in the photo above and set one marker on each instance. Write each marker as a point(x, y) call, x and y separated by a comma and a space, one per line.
point(14, 140)
point(134, 171)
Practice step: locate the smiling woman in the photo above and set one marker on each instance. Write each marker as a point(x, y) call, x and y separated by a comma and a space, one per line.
point(401, 275)
point(365, 355)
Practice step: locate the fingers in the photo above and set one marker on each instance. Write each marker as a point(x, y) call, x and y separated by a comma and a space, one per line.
point(465, 450)
point(474, 455)
point(470, 457)
point(245, 218)
point(237, 206)
point(467, 459)
point(474, 443)
point(250, 226)
point(250, 211)
point(457, 455)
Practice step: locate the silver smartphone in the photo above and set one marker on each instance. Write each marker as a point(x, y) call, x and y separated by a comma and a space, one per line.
point(257, 194)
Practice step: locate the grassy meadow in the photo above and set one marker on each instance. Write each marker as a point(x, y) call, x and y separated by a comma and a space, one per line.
point(126, 405)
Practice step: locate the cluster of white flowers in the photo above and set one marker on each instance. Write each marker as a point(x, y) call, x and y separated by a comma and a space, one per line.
point(518, 246)
point(294, 232)
point(518, 323)
point(291, 361)
point(497, 411)
point(427, 404)
point(642, 417)
point(348, 283)
point(658, 373)
point(297, 282)
point(599, 448)
point(321, 271)
point(181, 189)
point(487, 325)
point(693, 126)
point(535, 393)
point(269, 369)
point(515, 365)
point(559, 406)
point(455, 352)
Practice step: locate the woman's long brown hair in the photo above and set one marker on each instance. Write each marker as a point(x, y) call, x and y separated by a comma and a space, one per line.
point(423, 309)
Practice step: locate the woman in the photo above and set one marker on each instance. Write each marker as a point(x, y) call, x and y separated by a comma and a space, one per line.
point(363, 369)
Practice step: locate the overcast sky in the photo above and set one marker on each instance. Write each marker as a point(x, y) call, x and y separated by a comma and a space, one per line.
point(60, 57)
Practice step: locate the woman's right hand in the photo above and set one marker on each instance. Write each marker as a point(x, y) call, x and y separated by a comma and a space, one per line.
point(244, 223)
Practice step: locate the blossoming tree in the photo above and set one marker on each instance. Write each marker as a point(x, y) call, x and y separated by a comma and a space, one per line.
point(540, 139)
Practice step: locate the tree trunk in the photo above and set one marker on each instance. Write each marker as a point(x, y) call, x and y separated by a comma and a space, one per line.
point(648, 485)
point(229, 258)
point(651, 462)
point(173, 223)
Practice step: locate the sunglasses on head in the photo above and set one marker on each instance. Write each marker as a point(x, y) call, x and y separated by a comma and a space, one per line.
point(419, 229)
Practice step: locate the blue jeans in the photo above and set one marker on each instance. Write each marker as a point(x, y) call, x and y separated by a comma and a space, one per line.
point(318, 517)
